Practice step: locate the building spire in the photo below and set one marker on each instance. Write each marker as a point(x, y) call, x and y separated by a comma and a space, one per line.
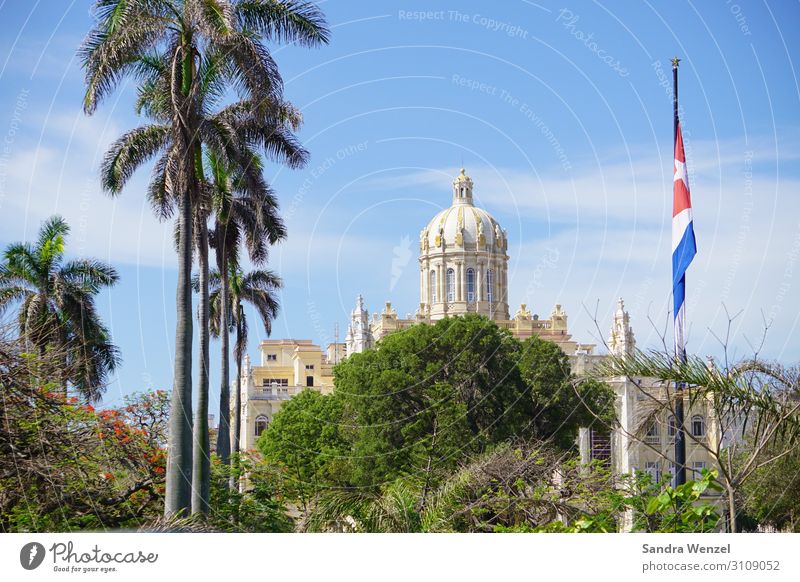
point(621, 341)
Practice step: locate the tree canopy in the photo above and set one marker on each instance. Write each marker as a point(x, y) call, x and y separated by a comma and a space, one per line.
point(426, 400)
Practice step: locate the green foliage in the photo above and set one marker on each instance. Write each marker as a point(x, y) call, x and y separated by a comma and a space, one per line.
point(508, 488)
point(653, 507)
point(256, 508)
point(56, 313)
point(305, 442)
point(679, 508)
point(561, 404)
point(71, 467)
point(772, 494)
point(430, 396)
point(419, 427)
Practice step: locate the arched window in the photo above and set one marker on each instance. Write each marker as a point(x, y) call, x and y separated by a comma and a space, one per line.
point(490, 285)
point(261, 424)
point(433, 287)
point(471, 285)
point(451, 285)
point(698, 426)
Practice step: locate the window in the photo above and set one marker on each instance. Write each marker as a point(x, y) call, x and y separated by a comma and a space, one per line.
point(272, 357)
point(309, 381)
point(433, 287)
point(697, 469)
point(672, 427)
point(451, 285)
point(490, 285)
point(653, 468)
point(309, 366)
point(261, 424)
point(471, 285)
point(672, 472)
point(600, 446)
point(275, 382)
point(698, 426)
point(652, 437)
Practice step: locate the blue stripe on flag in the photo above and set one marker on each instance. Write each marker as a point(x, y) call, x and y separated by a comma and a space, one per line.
point(678, 295)
point(683, 254)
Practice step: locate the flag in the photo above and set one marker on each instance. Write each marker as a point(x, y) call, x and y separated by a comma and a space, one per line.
point(684, 247)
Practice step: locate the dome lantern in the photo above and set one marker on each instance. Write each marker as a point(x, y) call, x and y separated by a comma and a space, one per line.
point(462, 189)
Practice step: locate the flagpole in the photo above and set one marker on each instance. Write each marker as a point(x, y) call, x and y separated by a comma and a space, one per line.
point(680, 353)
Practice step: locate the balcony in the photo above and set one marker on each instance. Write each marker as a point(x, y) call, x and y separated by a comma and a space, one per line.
point(272, 393)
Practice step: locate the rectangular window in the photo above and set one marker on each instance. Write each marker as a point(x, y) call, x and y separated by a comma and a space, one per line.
point(309, 381)
point(490, 286)
point(672, 472)
point(697, 469)
point(471, 285)
point(309, 366)
point(272, 357)
point(653, 468)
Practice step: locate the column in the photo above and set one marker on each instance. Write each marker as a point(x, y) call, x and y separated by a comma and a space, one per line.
point(422, 294)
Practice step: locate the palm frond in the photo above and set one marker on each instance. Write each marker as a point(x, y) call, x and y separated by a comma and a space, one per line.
point(129, 152)
point(285, 20)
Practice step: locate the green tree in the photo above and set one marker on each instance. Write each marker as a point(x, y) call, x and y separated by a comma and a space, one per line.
point(772, 494)
point(561, 403)
point(305, 441)
point(258, 507)
point(188, 31)
point(56, 308)
point(67, 466)
point(429, 396)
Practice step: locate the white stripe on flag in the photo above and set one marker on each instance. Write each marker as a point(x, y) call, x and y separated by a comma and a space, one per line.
point(680, 222)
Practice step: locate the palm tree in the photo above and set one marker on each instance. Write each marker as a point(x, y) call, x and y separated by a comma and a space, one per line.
point(246, 212)
point(124, 37)
point(245, 209)
point(56, 307)
point(243, 204)
point(258, 288)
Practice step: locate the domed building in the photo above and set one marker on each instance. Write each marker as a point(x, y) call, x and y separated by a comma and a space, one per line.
point(463, 267)
point(463, 260)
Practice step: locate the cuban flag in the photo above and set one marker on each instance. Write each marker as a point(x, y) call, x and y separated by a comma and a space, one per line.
point(684, 247)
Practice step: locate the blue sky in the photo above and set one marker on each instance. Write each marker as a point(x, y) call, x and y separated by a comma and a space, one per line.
point(561, 113)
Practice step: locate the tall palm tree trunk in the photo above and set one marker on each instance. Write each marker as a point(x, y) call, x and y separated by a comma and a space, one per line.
point(201, 476)
point(178, 497)
point(237, 399)
point(179, 458)
point(237, 402)
point(224, 429)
